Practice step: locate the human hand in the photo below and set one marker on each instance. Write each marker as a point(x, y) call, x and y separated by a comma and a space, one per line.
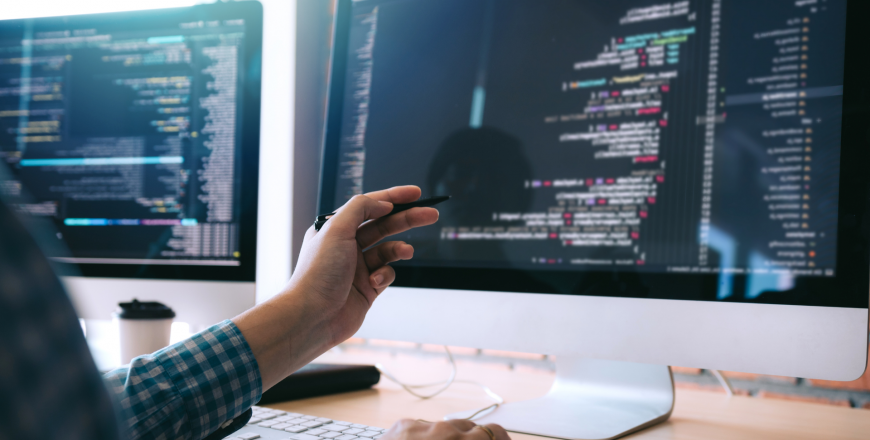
point(334, 270)
point(447, 430)
point(337, 278)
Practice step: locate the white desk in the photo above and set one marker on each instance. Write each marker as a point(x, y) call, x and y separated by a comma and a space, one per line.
point(697, 415)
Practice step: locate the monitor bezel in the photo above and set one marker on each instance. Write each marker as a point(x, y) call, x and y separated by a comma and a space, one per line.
point(252, 13)
point(852, 278)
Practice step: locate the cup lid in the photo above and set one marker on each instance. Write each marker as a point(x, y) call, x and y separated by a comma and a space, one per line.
point(144, 310)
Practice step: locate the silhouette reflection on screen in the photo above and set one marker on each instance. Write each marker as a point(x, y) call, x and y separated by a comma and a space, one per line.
point(485, 171)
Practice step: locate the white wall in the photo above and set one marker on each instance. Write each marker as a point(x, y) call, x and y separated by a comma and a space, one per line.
point(276, 158)
point(276, 146)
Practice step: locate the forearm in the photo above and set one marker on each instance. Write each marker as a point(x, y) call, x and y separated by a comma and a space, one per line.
point(286, 333)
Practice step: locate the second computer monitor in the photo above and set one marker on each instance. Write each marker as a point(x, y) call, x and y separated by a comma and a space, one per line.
point(137, 133)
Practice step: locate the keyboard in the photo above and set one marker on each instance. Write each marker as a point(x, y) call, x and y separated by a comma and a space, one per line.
point(268, 424)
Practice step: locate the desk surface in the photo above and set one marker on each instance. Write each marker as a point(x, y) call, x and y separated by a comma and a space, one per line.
point(697, 414)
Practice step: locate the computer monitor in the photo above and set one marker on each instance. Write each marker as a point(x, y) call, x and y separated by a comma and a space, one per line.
point(138, 134)
point(640, 182)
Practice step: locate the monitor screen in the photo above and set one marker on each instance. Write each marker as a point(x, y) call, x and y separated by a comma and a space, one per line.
point(696, 137)
point(129, 130)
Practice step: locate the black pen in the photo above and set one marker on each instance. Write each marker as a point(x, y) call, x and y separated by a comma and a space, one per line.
point(397, 208)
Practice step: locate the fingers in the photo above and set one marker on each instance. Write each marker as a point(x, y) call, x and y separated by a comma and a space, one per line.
point(386, 253)
point(500, 433)
point(347, 219)
point(382, 278)
point(375, 231)
point(406, 429)
point(448, 430)
point(397, 194)
point(462, 424)
point(469, 429)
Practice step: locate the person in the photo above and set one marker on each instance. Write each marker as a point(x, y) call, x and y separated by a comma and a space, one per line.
point(202, 387)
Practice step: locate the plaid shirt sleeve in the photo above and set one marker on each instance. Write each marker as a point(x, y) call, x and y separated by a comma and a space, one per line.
point(202, 386)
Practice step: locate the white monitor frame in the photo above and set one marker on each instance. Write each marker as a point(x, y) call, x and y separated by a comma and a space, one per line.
point(801, 341)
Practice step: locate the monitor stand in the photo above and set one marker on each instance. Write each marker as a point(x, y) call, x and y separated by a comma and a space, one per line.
point(591, 399)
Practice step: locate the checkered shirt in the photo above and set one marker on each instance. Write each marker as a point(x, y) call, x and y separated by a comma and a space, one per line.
point(191, 389)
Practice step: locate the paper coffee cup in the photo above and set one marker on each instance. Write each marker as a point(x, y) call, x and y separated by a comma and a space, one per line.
point(143, 327)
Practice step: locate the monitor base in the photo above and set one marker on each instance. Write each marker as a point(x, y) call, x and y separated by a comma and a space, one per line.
point(591, 399)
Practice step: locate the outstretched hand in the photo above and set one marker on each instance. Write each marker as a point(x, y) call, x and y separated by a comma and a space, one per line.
point(340, 272)
point(341, 267)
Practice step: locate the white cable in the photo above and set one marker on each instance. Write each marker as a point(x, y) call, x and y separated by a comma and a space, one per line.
point(729, 390)
point(410, 388)
point(444, 386)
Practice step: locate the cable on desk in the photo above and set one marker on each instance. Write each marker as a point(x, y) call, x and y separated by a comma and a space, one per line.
point(729, 390)
point(444, 386)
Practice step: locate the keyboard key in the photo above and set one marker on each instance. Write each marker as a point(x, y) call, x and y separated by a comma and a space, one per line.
point(306, 427)
point(335, 427)
point(304, 437)
point(296, 429)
